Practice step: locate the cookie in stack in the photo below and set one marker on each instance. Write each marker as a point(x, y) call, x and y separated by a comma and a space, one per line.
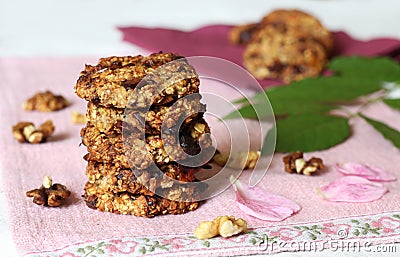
point(144, 118)
point(285, 44)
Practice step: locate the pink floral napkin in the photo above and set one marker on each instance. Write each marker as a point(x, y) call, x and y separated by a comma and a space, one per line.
point(76, 230)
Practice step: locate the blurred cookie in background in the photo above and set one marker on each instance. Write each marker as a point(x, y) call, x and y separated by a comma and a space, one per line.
point(286, 44)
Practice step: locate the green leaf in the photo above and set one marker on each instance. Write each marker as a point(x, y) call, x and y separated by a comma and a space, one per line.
point(100, 251)
point(310, 132)
point(314, 95)
point(355, 77)
point(255, 111)
point(90, 248)
point(324, 89)
point(312, 236)
point(81, 250)
point(310, 98)
point(393, 103)
point(375, 231)
point(288, 106)
point(377, 68)
point(355, 221)
point(387, 132)
point(356, 232)
point(163, 247)
point(207, 243)
point(251, 232)
point(397, 216)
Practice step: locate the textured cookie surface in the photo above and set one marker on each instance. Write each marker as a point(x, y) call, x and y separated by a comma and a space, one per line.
point(286, 44)
point(144, 115)
point(301, 22)
point(142, 152)
point(107, 177)
point(138, 205)
point(137, 81)
point(181, 112)
point(242, 34)
point(284, 54)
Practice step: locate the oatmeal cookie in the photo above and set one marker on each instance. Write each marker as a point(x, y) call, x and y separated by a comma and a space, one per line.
point(138, 205)
point(175, 192)
point(110, 178)
point(284, 54)
point(143, 152)
point(242, 34)
point(184, 111)
point(136, 82)
point(302, 22)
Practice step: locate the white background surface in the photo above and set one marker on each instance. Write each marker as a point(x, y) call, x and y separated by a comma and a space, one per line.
point(83, 27)
point(87, 27)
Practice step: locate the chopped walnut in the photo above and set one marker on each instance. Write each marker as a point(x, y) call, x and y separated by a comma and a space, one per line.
point(18, 130)
point(47, 128)
point(26, 132)
point(198, 130)
point(225, 226)
point(45, 102)
point(78, 118)
point(49, 194)
point(294, 163)
point(238, 160)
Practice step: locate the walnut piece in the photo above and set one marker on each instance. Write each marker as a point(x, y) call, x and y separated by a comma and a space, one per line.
point(49, 194)
point(225, 226)
point(78, 118)
point(18, 130)
point(45, 102)
point(26, 132)
point(238, 160)
point(295, 163)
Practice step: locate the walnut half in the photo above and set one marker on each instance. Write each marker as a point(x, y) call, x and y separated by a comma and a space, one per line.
point(49, 194)
point(45, 102)
point(78, 118)
point(295, 163)
point(237, 160)
point(225, 226)
point(26, 132)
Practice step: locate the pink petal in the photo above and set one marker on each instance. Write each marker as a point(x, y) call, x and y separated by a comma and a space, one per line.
point(353, 189)
point(263, 204)
point(365, 171)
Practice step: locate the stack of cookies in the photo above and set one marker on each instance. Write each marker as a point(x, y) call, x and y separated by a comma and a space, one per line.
point(285, 44)
point(144, 120)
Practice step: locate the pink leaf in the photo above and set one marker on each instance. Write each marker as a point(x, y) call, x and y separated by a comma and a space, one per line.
point(353, 189)
point(213, 41)
point(365, 171)
point(263, 204)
